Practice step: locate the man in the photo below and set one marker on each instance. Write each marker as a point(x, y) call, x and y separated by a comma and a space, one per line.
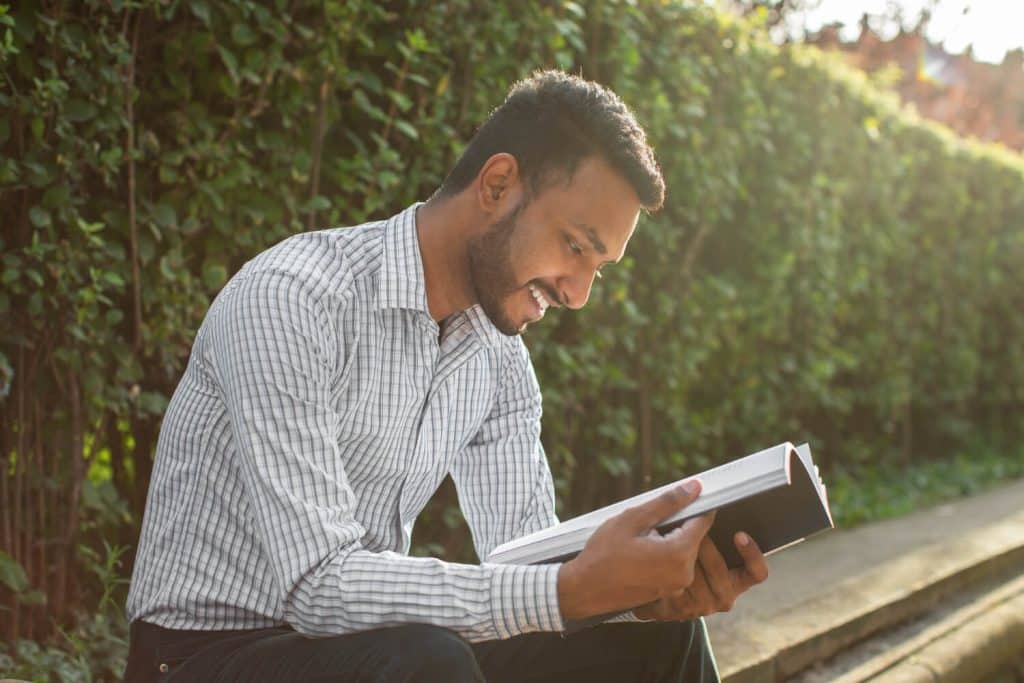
point(336, 380)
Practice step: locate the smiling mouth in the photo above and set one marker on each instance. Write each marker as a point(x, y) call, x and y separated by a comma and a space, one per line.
point(540, 298)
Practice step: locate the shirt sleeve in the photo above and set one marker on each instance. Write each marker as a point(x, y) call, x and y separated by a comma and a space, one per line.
point(275, 358)
point(502, 476)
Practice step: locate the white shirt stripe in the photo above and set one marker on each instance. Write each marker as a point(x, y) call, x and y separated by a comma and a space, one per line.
point(317, 415)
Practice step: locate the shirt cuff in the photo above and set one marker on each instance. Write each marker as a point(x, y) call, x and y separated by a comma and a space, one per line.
point(628, 618)
point(524, 599)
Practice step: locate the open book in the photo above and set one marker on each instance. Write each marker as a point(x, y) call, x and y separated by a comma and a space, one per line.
point(774, 495)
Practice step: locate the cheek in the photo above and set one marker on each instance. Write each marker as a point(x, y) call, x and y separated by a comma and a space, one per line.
point(520, 260)
point(536, 260)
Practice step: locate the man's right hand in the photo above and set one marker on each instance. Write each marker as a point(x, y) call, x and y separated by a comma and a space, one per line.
point(627, 563)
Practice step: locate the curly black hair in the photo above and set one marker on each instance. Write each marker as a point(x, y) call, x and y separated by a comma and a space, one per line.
point(552, 121)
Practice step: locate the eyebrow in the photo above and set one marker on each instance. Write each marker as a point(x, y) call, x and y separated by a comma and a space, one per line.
point(592, 236)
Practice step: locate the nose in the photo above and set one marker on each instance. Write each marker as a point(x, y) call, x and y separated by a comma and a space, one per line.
point(575, 290)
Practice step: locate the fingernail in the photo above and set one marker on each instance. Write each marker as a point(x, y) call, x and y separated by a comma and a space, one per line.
point(742, 539)
point(691, 486)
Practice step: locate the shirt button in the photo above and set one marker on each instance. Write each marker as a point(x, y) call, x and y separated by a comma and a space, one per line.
point(164, 668)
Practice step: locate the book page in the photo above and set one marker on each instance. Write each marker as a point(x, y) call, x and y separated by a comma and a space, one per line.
point(719, 485)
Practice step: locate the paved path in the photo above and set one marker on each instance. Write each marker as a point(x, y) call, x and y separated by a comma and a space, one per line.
point(812, 570)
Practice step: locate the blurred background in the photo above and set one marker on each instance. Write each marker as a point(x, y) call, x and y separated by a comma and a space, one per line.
point(838, 261)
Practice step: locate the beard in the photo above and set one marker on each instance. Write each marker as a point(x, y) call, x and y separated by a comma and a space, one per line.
point(491, 272)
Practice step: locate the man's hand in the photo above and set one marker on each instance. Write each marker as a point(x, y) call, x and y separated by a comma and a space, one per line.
point(715, 587)
point(624, 564)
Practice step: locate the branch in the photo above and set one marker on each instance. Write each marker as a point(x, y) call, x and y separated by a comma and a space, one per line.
point(318, 145)
point(132, 221)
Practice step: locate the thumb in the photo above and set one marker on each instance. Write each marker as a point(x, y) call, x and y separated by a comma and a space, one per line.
point(649, 514)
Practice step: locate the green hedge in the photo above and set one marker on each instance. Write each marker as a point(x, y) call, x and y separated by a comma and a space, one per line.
point(827, 267)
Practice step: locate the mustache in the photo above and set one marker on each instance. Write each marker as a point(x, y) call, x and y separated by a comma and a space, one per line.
point(551, 294)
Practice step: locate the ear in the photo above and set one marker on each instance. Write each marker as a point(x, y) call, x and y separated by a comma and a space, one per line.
point(497, 183)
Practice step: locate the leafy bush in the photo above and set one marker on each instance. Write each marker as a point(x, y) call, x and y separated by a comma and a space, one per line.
point(94, 648)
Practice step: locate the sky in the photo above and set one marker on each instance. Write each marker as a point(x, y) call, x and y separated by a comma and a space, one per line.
point(991, 26)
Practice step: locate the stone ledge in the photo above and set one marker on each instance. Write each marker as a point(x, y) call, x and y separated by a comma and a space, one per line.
point(878, 656)
point(774, 645)
point(970, 650)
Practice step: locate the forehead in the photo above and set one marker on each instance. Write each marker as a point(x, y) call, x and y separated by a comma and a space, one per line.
point(595, 198)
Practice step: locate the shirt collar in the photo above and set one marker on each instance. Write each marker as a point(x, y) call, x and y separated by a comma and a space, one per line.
point(402, 284)
point(485, 329)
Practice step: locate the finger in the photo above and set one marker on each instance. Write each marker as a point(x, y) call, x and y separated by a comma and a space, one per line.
point(677, 551)
point(755, 566)
point(648, 611)
point(665, 610)
point(719, 578)
point(701, 595)
point(650, 514)
point(689, 533)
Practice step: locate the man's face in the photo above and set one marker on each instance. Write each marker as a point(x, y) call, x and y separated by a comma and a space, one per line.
point(546, 252)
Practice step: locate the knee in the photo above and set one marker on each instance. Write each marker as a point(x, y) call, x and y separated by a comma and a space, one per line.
point(688, 651)
point(688, 636)
point(685, 632)
point(670, 645)
point(662, 636)
point(437, 654)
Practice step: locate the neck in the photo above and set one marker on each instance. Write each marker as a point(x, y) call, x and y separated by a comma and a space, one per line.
point(444, 227)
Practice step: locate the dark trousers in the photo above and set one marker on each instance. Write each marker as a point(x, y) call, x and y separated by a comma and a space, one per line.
point(677, 652)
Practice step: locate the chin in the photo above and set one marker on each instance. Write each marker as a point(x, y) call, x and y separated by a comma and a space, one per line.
point(502, 319)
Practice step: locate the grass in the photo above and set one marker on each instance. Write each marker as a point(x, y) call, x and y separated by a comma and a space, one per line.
point(870, 493)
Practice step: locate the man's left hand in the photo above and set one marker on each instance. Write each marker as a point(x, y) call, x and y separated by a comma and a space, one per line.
point(715, 587)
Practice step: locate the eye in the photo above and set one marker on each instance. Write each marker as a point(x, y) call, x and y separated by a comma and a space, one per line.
point(574, 246)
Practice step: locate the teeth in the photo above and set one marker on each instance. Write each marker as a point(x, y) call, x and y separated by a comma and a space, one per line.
point(539, 297)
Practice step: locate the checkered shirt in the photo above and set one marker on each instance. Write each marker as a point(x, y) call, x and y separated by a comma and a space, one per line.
point(320, 409)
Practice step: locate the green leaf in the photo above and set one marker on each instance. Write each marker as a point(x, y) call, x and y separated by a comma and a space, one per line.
point(167, 174)
point(243, 35)
point(152, 402)
point(166, 270)
point(190, 225)
point(363, 102)
point(318, 203)
point(230, 61)
point(111, 157)
point(90, 228)
point(147, 248)
point(33, 597)
point(201, 11)
point(113, 278)
point(79, 110)
point(574, 8)
point(39, 216)
point(407, 128)
point(8, 171)
point(417, 40)
point(56, 196)
point(12, 574)
point(214, 275)
point(400, 99)
point(165, 216)
point(40, 175)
